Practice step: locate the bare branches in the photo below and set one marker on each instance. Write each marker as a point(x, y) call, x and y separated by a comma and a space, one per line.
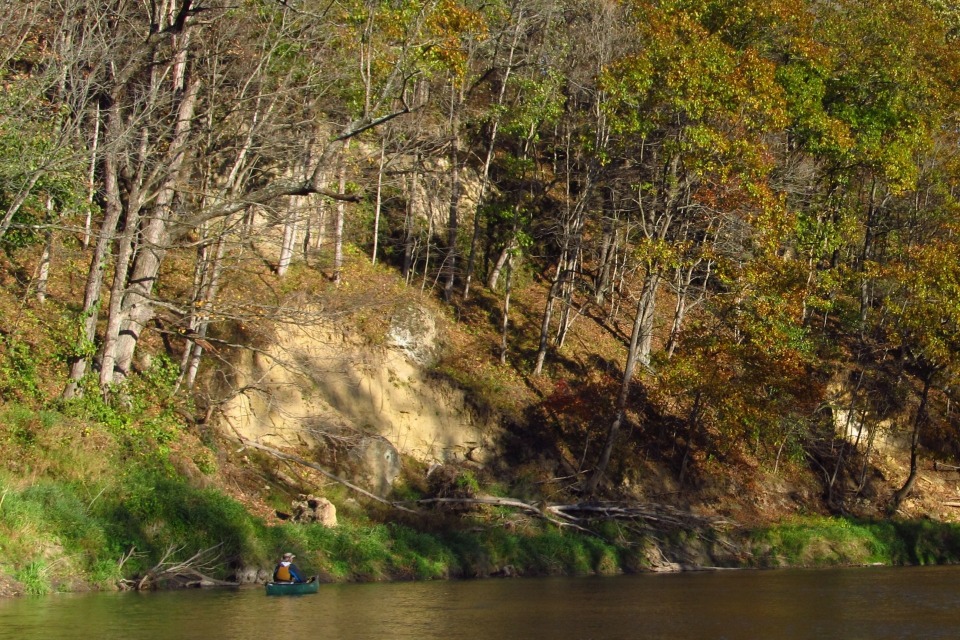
point(577, 516)
point(651, 514)
point(172, 573)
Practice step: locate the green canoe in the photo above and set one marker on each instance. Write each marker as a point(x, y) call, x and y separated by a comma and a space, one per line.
point(293, 588)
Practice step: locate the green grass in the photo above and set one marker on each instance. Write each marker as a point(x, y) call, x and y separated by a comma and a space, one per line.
point(56, 534)
point(77, 497)
point(844, 541)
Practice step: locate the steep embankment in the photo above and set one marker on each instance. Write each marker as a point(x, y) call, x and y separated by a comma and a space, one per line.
point(397, 370)
point(96, 495)
point(319, 383)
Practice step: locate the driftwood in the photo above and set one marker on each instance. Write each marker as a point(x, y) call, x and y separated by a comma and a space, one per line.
point(179, 574)
point(575, 516)
point(579, 514)
point(507, 502)
point(656, 514)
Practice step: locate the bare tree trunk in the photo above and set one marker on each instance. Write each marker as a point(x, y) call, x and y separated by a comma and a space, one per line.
point(568, 312)
point(94, 285)
point(456, 187)
point(919, 419)
point(290, 233)
point(125, 253)
point(321, 234)
point(338, 222)
point(683, 284)
point(505, 323)
point(426, 251)
point(475, 238)
point(647, 307)
point(43, 275)
point(379, 200)
point(545, 325)
point(621, 406)
point(608, 254)
point(502, 259)
point(91, 177)
point(293, 221)
point(410, 217)
point(199, 322)
point(136, 309)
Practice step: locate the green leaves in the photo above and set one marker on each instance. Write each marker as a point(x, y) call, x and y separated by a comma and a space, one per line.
point(690, 85)
point(41, 175)
point(889, 82)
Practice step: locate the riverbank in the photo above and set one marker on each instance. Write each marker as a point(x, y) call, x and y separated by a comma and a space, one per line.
point(101, 504)
point(100, 493)
point(74, 536)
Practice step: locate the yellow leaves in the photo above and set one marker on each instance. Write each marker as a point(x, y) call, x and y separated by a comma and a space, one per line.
point(452, 18)
point(682, 72)
point(657, 253)
point(452, 25)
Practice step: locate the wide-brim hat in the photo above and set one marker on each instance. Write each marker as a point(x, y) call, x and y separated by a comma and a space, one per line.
point(288, 556)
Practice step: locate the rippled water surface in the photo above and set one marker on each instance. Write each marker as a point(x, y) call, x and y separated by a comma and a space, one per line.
point(848, 603)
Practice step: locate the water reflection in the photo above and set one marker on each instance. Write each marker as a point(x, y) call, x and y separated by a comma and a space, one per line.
point(851, 604)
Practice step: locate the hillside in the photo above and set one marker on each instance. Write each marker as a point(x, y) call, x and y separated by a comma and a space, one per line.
point(619, 277)
point(444, 382)
point(539, 435)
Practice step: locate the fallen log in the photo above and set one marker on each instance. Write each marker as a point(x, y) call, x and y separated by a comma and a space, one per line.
point(561, 515)
point(507, 502)
point(180, 574)
point(577, 514)
point(652, 513)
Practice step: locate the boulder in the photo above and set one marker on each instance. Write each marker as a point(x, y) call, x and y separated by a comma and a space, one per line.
point(375, 464)
point(308, 508)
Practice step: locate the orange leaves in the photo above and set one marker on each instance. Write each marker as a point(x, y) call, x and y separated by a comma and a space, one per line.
point(582, 404)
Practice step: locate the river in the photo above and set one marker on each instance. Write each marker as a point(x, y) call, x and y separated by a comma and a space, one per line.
point(867, 603)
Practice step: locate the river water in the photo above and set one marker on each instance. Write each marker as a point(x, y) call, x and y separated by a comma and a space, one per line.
point(868, 603)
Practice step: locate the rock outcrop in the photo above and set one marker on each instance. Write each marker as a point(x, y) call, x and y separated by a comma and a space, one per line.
point(324, 387)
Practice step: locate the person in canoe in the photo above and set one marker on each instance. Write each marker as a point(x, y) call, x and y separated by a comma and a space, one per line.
point(286, 571)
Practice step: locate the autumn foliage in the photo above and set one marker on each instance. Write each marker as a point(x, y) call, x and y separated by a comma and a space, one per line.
point(755, 202)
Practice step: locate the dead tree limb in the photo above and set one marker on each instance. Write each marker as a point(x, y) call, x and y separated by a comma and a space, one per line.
point(183, 573)
point(659, 514)
point(508, 502)
point(562, 515)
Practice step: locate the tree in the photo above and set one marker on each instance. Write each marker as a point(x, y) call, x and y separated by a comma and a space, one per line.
point(688, 109)
point(180, 99)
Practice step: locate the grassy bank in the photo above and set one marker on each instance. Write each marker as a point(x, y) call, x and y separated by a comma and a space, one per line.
point(57, 535)
point(92, 496)
point(65, 536)
point(821, 541)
